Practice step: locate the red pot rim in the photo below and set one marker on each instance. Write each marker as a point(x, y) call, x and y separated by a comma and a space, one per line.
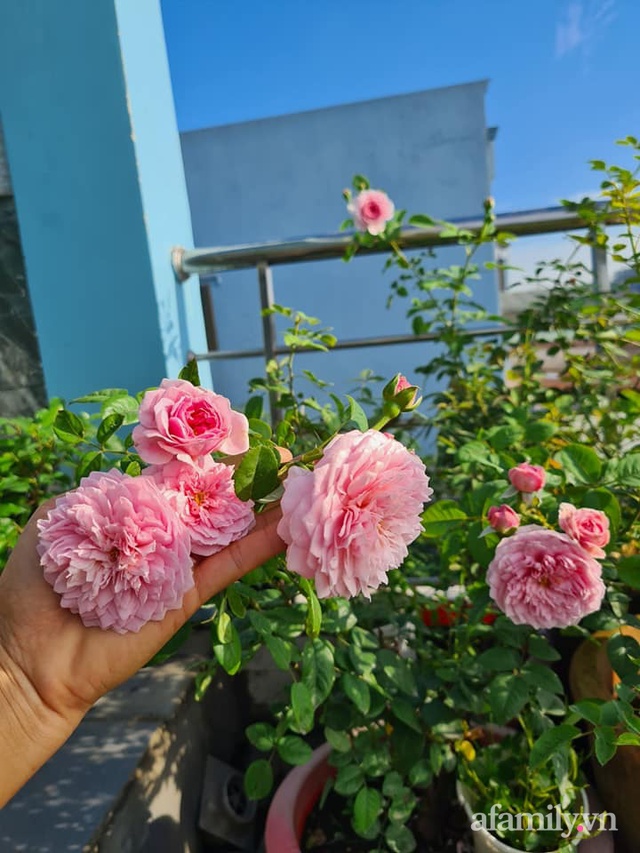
point(294, 800)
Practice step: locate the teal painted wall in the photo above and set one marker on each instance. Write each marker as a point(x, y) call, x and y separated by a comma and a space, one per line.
point(94, 154)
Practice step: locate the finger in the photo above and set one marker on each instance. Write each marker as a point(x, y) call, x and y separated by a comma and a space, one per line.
point(215, 573)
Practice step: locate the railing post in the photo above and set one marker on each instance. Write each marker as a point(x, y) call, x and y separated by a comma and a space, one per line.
point(601, 281)
point(265, 283)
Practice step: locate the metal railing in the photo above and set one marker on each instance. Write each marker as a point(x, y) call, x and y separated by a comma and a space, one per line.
point(263, 256)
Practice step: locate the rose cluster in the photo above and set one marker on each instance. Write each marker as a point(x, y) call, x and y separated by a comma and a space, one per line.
point(119, 548)
point(540, 576)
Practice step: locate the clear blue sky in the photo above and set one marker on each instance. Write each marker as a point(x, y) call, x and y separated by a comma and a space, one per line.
point(564, 75)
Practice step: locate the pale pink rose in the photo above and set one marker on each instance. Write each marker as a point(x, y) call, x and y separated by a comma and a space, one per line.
point(350, 519)
point(179, 420)
point(205, 500)
point(116, 552)
point(543, 578)
point(589, 527)
point(371, 210)
point(503, 518)
point(527, 478)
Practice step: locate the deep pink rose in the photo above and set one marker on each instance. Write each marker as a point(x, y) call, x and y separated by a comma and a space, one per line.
point(371, 210)
point(350, 519)
point(527, 478)
point(116, 552)
point(543, 578)
point(589, 527)
point(503, 518)
point(179, 420)
point(205, 500)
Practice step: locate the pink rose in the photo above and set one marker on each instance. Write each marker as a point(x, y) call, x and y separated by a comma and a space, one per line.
point(205, 500)
point(543, 578)
point(589, 527)
point(179, 420)
point(371, 210)
point(503, 518)
point(350, 519)
point(527, 478)
point(116, 552)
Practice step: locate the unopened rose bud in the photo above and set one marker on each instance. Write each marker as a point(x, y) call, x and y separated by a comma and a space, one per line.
point(401, 392)
point(503, 518)
point(527, 478)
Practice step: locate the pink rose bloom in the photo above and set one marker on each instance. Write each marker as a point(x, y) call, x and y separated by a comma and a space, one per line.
point(503, 518)
point(371, 210)
point(179, 420)
point(116, 552)
point(527, 478)
point(350, 519)
point(589, 527)
point(542, 578)
point(204, 499)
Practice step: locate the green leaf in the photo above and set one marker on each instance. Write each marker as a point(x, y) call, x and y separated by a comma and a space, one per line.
point(539, 676)
point(253, 408)
point(260, 427)
point(126, 406)
point(590, 709)
point(419, 220)
point(550, 742)
point(257, 473)
point(229, 654)
point(223, 628)
point(133, 469)
point(190, 372)
point(357, 414)
point(258, 779)
point(406, 712)
point(400, 839)
point(259, 622)
point(294, 750)
point(498, 659)
point(541, 648)
point(629, 570)
point(366, 808)
point(421, 774)
point(357, 691)
point(68, 427)
point(628, 739)
point(622, 651)
point(314, 615)
point(605, 743)
point(318, 669)
point(280, 651)
point(262, 736)
point(108, 426)
point(628, 470)
point(349, 780)
point(91, 461)
point(537, 432)
point(508, 695)
point(340, 741)
point(580, 464)
point(302, 707)
point(441, 517)
point(236, 604)
point(393, 784)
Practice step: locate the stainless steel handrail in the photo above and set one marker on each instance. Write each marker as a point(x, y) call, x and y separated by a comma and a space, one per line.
point(187, 262)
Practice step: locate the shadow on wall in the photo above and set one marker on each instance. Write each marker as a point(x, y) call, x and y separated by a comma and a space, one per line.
point(22, 389)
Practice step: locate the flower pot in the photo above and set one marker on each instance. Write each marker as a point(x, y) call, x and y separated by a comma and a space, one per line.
point(294, 800)
point(485, 842)
point(592, 677)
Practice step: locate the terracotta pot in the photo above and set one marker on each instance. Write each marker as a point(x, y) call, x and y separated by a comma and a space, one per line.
point(294, 800)
point(591, 677)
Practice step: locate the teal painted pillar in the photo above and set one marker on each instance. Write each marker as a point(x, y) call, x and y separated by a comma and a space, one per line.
point(96, 168)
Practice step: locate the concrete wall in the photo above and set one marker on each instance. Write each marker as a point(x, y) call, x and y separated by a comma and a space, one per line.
point(92, 144)
point(21, 381)
point(282, 177)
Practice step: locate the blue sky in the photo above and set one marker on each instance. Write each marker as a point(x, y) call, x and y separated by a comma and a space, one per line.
point(563, 73)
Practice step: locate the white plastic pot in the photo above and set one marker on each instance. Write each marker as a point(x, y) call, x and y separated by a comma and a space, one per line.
point(484, 842)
